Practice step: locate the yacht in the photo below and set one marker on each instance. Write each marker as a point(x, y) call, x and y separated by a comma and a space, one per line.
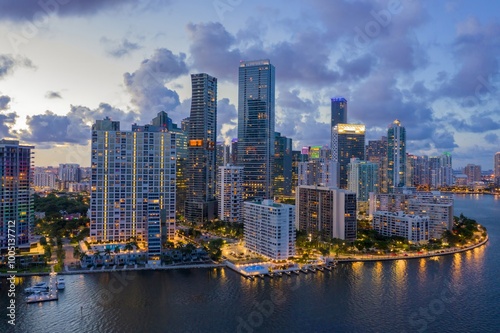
point(42, 286)
point(60, 283)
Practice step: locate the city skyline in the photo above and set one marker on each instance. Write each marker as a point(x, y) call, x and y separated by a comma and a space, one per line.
point(390, 60)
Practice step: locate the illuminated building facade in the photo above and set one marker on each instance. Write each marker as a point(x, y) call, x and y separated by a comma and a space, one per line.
point(230, 193)
point(201, 201)
point(269, 228)
point(415, 228)
point(282, 170)
point(256, 121)
point(348, 141)
point(133, 184)
point(16, 194)
point(326, 212)
point(396, 155)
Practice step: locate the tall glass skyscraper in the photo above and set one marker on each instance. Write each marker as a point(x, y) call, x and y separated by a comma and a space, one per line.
point(201, 202)
point(339, 111)
point(396, 155)
point(256, 120)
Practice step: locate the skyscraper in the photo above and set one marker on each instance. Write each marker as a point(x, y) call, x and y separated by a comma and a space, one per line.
point(348, 141)
point(256, 120)
point(133, 184)
point(17, 214)
point(396, 155)
point(339, 111)
point(201, 203)
point(282, 170)
point(362, 178)
point(473, 173)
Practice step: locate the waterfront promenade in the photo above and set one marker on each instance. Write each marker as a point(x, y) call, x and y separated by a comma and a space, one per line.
point(340, 258)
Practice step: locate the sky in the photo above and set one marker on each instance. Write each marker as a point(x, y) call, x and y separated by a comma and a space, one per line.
point(433, 65)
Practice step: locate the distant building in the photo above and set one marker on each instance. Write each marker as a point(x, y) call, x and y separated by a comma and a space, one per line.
point(497, 168)
point(230, 193)
point(44, 179)
point(473, 173)
point(362, 180)
point(326, 212)
point(17, 215)
point(298, 156)
point(269, 228)
point(320, 169)
point(396, 155)
point(412, 227)
point(376, 152)
point(438, 207)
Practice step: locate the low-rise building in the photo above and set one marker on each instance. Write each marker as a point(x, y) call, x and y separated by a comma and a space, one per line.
point(415, 228)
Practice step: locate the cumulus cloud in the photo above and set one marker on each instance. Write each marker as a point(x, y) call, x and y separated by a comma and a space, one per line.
point(53, 95)
point(297, 118)
point(492, 138)
point(119, 48)
point(213, 50)
point(49, 129)
point(475, 50)
point(147, 85)
point(227, 120)
point(4, 102)
point(476, 123)
point(9, 62)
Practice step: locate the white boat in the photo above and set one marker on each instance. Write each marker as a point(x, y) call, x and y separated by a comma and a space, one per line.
point(42, 286)
point(60, 283)
point(41, 296)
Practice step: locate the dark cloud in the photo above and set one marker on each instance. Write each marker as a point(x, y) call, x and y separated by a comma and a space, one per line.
point(48, 129)
point(4, 102)
point(492, 138)
point(147, 84)
point(27, 10)
point(213, 50)
point(356, 69)
point(7, 120)
point(475, 50)
point(297, 118)
point(444, 140)
point(53, 94)
point(9, 62)
point(119, 48)
point(52, 128)
point(476, 123)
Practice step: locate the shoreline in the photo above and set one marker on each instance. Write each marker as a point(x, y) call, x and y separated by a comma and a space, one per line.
point(215, 265)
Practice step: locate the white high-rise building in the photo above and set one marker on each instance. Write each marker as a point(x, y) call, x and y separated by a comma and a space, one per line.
point(230, 193)
point(439, 208)
point(133, 184)
point(69, 172)
point(44, 179)
point(412, 227)
point(269, 228)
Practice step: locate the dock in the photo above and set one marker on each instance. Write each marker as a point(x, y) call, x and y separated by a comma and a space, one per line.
point(45, 296)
